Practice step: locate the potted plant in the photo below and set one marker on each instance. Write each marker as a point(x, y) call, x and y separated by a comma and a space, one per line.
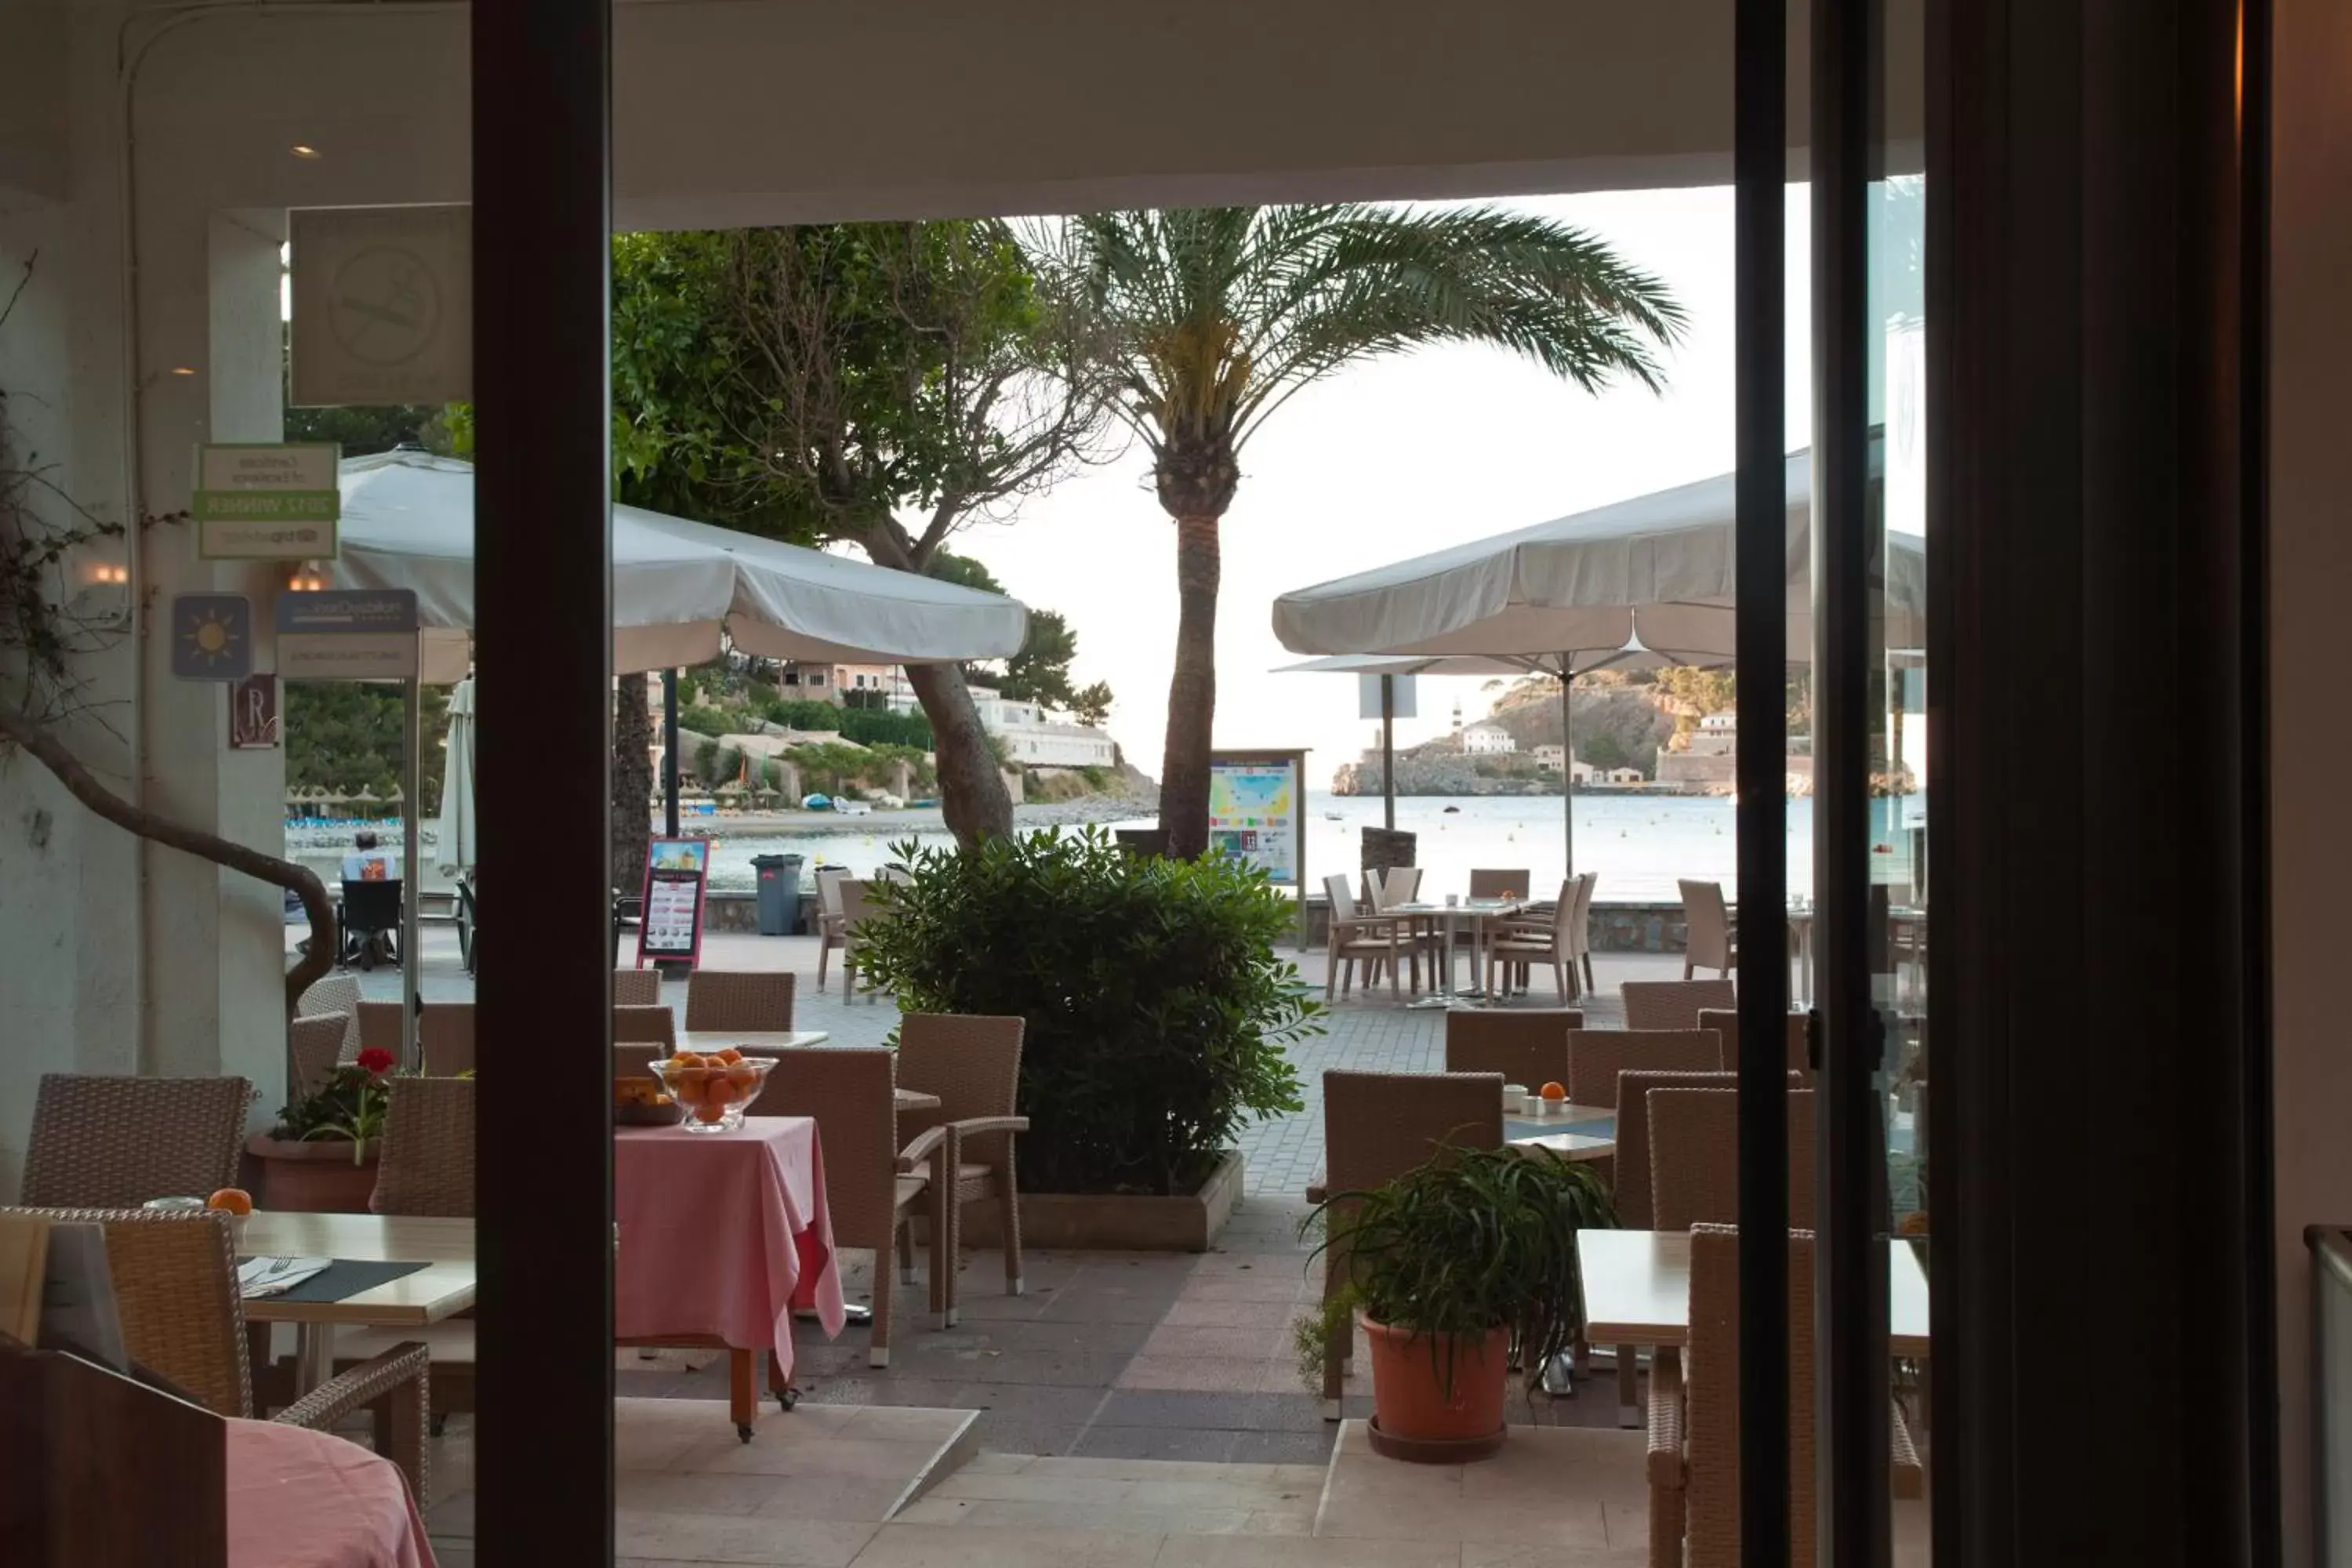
point(321, 1156)
point(1458, 1270)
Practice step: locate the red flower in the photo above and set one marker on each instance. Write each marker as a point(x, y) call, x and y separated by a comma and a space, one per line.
point(375, 1059)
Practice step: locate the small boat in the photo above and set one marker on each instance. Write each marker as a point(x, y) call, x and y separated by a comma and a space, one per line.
point(816, 803)
point(1451, 810)
point(853, 807)
point(1333, 817)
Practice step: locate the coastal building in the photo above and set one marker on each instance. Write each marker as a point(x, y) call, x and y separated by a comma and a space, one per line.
point(838, 683)
point(1549, 759)
point(1487, 738)
point(1034, 738)
point(1625, 776)
point(1717, 735)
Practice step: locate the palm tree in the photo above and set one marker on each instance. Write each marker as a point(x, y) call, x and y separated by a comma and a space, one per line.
point(1214, 317)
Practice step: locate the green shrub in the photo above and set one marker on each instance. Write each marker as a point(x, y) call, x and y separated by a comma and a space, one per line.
point(878, 727)
point(1157, 1008)
point(801, 713)
point(704, 721)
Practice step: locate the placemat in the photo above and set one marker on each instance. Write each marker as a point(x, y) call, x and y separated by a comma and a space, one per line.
point(345, 1277)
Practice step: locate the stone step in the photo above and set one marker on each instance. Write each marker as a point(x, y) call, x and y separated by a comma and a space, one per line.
point(1145, 1497)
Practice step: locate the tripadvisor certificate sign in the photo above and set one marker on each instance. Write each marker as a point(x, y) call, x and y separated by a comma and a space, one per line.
point(1258, 811)
point(273, 502)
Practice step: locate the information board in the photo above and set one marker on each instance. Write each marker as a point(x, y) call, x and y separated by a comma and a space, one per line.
point(1258, 811)
point(676, 872)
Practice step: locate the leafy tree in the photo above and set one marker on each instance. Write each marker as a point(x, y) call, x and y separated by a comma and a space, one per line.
point(1040, 672)
point(1091, 704)
point(820, 383)
point(345, 737)
point(362, 431)
point(1215, 317)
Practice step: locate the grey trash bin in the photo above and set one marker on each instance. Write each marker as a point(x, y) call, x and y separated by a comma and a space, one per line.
point(780, 893)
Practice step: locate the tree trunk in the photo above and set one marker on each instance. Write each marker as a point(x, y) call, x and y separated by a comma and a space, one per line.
point(1191, 692)
point(972, 797)
point(85, 787)
point(632, 783)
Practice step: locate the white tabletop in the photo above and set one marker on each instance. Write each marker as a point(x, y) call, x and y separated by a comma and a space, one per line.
point(1574, 1146)
point(1637, 1290)
point(751, 1040)
point(443, 1287)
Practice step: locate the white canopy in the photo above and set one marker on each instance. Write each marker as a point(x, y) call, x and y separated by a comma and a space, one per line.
point(1659, 570)
point(408, 522)
point(459, 836)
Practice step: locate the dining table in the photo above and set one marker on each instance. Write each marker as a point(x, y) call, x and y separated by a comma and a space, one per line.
point(389, 1272)
point(1450, 914)
point(720, 1237)
point(300, 1499)
point(1573, 1132)
point(772, 1042)
point(1637, 1290)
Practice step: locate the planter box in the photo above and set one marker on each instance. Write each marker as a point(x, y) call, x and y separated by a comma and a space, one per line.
point(1084, 1221)
point(314, 1177)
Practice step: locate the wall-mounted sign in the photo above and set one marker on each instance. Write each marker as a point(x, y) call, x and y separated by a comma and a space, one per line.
point(212, 636)
point(253, 714)
point(675, 871)
point(348, 633)
point(266, 501)
point(383, 305)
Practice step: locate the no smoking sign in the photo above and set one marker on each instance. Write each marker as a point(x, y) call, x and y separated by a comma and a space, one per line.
point(383, 305)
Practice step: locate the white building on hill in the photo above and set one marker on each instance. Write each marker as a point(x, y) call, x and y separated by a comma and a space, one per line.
point(1487, 740)
point(1033, 737)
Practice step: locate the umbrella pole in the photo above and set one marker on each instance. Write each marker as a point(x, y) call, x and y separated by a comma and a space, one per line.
point(412, 863)
point(1566, 769)
point(669, 752)
point(1388, 751)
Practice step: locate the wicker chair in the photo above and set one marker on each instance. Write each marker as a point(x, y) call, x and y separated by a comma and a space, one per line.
point(1579, 929)
point(1630, 1173)
point(1360, 940)
point(426, 1164)
point(444, 1034)
point(315, 1044)
point(114, 1142)
point(1520, 946)
point(1490, 883)
point(655, 1026)
point(1528, 1047)
point(1694, 1157)
point(1693, 1446)
point(636, 987)
point(1725, 1021)
point(1673, 1003)
point(1595, 1058)
point(335, 993)
point(874, 1186)
point(856, 905)
point(1376, 1127)
point(973, 1063)
point(174, 1277)
point(831, 927)
point(1710, 940)
point(749, 1000)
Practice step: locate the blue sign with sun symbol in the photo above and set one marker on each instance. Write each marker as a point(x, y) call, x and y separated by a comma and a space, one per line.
point(212, 636)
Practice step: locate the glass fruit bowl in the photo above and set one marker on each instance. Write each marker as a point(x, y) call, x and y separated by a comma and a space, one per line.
point(713, 1089)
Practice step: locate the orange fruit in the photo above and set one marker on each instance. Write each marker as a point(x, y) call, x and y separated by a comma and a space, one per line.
point(688, 1060)
point(1552, 1091)
point(741, 1074)
point(710, 1111)
point(730, 1056)
point(231, 1200)
point(689, 1080)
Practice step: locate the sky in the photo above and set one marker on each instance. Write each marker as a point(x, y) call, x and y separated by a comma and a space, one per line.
point(1386, 460)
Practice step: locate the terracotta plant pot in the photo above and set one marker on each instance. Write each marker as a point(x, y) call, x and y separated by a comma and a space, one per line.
point(315, 1176)
point(1415, 1415)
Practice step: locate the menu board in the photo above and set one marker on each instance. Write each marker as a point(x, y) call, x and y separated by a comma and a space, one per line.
point(1258, 811)
point(676, 872)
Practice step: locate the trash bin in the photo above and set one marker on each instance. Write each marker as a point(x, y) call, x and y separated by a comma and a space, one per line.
point(780, 893)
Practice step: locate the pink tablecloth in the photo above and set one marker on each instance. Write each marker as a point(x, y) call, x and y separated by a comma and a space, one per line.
point(298, 1499)
point(724, 1233)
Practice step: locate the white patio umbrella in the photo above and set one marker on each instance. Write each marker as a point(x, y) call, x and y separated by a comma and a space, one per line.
point(1658, 572)
point(459, 826)
point(681, 590)
point(408, 522)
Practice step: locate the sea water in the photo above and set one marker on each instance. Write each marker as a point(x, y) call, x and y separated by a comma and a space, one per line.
point(1640, 844)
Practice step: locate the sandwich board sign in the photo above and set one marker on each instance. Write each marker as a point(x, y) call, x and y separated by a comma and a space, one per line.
point(348, 633)
point(266, 501)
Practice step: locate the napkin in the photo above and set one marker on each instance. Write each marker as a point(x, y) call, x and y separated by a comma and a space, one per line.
point(268, 1276)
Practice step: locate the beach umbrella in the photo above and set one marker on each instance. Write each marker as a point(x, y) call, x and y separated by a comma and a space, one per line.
point(1657, 572)
point(459, 824)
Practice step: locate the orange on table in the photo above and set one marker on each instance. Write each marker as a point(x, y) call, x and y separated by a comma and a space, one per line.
point(729, 1055)
point(231, 1200)
point(688, 1060)
point(689, 1081)
point(741, 1074)
point(1552, 1091)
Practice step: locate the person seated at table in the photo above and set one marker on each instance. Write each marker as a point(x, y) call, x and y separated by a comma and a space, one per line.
point(368, 863)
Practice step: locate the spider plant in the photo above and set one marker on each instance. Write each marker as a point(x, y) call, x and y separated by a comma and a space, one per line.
point(1472, 1240)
